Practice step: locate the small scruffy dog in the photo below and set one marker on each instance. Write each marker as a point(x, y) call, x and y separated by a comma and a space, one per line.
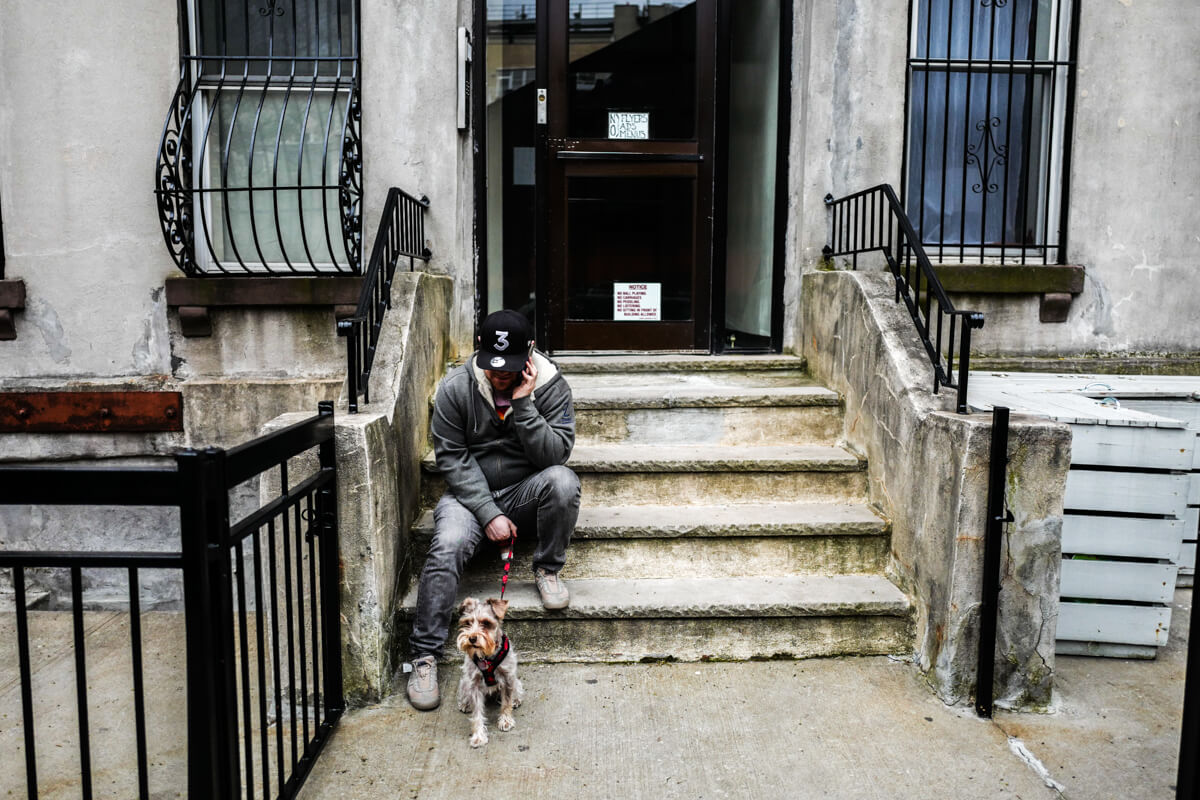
point(489, 666)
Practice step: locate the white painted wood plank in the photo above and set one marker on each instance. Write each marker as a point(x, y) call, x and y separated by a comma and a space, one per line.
point(1108, 446)
point(1186, 410)
point(1191, 523)
point(1118, 624)
point(1131, 492)
point(1122, 536)
point(1187, 555)
point(1118, 580)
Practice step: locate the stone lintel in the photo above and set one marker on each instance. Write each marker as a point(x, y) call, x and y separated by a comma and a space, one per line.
point(193, 297)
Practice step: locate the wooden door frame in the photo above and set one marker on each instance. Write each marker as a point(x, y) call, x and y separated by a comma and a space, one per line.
point(689, 158)
point(718, 168)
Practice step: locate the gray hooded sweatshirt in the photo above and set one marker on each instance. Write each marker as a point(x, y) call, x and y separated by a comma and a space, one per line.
point(478, 453)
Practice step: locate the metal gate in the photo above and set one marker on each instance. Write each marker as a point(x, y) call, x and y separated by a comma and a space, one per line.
point(261, 613)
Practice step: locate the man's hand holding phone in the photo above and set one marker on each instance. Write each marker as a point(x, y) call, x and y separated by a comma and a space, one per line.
point(528, 378)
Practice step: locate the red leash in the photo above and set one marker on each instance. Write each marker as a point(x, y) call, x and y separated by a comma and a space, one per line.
point(507, 555)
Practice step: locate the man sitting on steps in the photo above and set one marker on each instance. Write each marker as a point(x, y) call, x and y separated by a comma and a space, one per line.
point(503, 427)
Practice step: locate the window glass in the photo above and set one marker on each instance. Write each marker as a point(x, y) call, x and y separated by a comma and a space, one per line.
point(278, 153)
point(306, 36)
point(632, 57)
point(630, 230)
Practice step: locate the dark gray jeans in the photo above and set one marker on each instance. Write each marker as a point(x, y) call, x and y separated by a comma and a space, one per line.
point(547, 501)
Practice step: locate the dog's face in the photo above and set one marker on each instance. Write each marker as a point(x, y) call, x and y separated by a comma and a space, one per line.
point(479, 631)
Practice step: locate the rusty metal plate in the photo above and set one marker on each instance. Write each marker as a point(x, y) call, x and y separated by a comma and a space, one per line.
point(90, 412)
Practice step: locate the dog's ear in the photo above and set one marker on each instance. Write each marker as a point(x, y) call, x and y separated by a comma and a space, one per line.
point(468, 606)
point(498, 607)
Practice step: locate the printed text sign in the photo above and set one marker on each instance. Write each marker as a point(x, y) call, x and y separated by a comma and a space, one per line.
point(637, 301)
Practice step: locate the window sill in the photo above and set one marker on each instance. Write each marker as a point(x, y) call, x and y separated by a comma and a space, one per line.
point(1056, 283)
point(12, 299)
point(193, 297)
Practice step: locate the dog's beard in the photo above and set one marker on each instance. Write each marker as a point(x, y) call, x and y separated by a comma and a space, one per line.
point(484, 647)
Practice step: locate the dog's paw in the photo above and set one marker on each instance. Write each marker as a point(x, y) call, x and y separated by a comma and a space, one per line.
point(479, 738)
point(506, 723)
point(465, 705)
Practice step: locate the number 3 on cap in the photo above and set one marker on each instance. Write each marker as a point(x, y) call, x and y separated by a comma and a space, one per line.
point(501, 340)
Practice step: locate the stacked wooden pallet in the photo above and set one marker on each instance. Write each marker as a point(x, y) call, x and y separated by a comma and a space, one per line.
point(1132, 499)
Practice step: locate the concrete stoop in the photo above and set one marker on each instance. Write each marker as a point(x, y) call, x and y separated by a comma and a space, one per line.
point(720, 521)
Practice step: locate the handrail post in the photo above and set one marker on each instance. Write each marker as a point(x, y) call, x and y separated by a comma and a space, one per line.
point(993, 534)
point(1187, 787)
point(972, 320)
point(208, 610)
point(327, 513)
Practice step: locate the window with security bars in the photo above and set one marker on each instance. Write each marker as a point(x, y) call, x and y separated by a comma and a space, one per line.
point(990, 87)
point(260, 165)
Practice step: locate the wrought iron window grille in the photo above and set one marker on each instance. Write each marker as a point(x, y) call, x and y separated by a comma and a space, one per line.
point(989, 107)
point(259, 168)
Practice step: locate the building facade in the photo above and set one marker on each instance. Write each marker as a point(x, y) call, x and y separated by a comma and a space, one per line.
point(189, 191)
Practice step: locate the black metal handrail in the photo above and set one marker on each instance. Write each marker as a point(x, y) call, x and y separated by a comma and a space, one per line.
point(401, 234)
point(286, 551)
point(873, 219)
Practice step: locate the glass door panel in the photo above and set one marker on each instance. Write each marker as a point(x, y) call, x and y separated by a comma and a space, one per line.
point(630, 232)
point(634, 59)
point(509, 73)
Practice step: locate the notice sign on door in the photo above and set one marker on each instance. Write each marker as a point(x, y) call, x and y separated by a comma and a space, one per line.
point(637, 302)
point(629, 124)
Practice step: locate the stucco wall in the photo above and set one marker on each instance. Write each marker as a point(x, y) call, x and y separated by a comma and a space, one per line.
point(83, 94)
point(928, 471)
point(410, 138)
point(1133, 214)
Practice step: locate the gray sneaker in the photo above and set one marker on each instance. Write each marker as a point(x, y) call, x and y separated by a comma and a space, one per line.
point(423, 685)
point(552, 589)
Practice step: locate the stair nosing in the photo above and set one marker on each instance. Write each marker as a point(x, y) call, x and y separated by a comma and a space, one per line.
point(524, 603)
point(798, 520)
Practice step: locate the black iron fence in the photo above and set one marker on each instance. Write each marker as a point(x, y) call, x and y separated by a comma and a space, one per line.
point(873, 220)
point(990, 90)
point(259, 168)
point(260, 624)
point(401, 234)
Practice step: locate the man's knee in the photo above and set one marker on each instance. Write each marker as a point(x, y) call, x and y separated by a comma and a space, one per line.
point(455, 534)
point(562, 484)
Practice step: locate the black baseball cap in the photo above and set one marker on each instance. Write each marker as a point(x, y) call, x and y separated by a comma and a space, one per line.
point(504, 341)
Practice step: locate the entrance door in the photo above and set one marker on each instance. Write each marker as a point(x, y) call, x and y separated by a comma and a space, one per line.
point(629, 116)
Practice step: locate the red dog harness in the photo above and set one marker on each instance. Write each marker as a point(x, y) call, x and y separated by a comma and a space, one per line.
point(488, 665)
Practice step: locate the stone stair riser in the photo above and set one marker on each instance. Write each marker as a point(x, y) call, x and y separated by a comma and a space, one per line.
point(700, 639)
point(728, 426)
point(710, 557)
point(697, 488)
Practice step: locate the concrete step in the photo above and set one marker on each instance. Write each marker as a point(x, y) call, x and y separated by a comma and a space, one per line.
point(623, 474)
point(694, 619)
point(711, 541)
point(705, 408)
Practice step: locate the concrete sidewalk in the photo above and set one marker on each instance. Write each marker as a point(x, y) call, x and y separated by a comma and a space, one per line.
point(839, 727)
